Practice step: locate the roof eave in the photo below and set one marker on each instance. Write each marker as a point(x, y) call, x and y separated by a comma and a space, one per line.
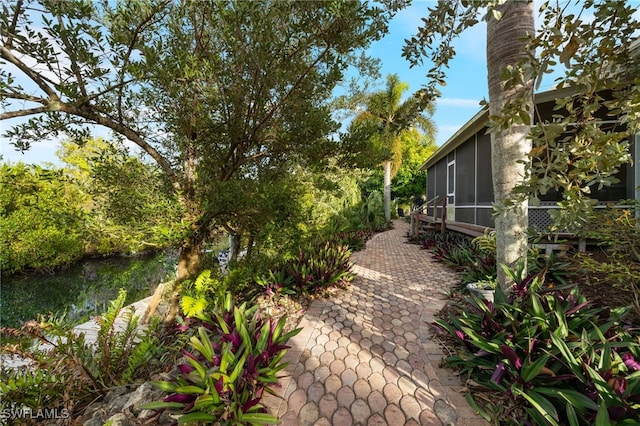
point(470, 128)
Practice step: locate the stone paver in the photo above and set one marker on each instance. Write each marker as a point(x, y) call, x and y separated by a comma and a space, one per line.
point(366, 356)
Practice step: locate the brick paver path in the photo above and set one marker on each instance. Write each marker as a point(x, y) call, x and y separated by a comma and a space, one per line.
point(365, 357)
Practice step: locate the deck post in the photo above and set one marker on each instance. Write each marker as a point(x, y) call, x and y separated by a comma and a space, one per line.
point(443, 225)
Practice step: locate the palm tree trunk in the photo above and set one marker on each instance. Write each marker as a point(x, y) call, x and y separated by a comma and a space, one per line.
point(387, 191)
point(509, 147)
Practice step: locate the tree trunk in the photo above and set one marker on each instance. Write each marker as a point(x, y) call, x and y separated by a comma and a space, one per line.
point(234, 246)
point(188, 266)
point(387, 192)
point(509, 147)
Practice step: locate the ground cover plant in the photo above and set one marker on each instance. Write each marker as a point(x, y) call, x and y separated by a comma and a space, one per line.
point(68, 372)
point(546, 355)
point(234, 356)
point(474, 258)
point(557, 349)
point(313, 269)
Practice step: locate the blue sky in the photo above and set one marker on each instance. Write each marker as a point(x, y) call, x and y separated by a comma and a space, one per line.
point(466, 76)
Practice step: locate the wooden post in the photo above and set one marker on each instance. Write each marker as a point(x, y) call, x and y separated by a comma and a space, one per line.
point(435, 211)
point(443, 225)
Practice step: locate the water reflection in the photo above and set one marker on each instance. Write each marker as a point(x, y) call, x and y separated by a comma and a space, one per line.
point(83, 290)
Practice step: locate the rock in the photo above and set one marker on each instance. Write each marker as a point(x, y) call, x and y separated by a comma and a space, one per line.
point(119, 420)
point(123, 407)
point(143, 395)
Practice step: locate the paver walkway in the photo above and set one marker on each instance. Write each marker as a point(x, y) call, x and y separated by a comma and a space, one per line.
point(365, 357)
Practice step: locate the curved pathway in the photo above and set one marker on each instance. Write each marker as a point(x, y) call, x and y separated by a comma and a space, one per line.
point(365, 357)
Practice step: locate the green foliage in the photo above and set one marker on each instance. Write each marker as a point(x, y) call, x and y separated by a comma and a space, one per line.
point(40, 218)
point(185, 81)
point(354, 240)
point(310, 272)
point(71, 372)
point(597, 149)
point(387, 123)
point(410, 181)
point(235, 356)
point(617, 263)
point(197, 295)
point(320, 267)
point(372, 212)
point(129, 203)
point(474, 258)
point(558, 357)
point(103, 202)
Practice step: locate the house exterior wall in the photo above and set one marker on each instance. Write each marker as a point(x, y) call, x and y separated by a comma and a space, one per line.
point(474, 188)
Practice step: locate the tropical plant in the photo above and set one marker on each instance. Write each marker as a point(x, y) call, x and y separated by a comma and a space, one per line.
point(354, 240)
point(311, 271)
point(202, 293)
point(69, 371)
point(409, 180)
point(390, 121)
point(319, 268)
point(235, 356)
point(552, 356)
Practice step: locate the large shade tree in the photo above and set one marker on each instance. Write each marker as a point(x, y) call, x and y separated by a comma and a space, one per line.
point(221, 95)
point(389, 120)
point(593, 42)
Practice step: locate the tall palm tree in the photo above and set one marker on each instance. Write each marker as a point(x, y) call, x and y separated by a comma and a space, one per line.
point(507, 31)
point(393, 119)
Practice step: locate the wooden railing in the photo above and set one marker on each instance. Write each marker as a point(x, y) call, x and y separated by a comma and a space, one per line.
point(420, 214)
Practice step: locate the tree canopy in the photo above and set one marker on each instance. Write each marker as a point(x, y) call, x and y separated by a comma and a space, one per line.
point(385, 121)
point(591, 50)
point(224, 96)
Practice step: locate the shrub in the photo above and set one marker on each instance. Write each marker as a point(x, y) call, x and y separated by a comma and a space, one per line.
point(354, 240)
point(617, 263)
point(317, 269)
point(561, 358)
point(311, 271)
point(235, 355)
point(69, 372)
point(471, 257)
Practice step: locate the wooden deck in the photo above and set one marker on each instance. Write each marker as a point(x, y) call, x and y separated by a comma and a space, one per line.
point(425, 222)
point(559, 244)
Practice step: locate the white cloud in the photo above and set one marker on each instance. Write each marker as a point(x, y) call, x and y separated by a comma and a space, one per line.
point(445, 132)
point(410, 19)
point(459, 102)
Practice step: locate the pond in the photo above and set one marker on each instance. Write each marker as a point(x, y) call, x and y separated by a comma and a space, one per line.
point(83, 290)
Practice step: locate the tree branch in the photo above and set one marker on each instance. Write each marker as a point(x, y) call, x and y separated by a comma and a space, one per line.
point(6, 54)
point(23, 97)
point(130, 134)
point(14, 22)
point(24, 112)
point(71, 52)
